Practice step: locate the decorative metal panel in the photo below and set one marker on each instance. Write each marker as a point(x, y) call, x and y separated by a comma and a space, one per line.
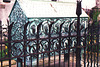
point(40, 27)
point(58, 29)
point(19, 18)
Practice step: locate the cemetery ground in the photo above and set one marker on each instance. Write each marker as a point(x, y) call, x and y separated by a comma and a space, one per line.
point(62, 63)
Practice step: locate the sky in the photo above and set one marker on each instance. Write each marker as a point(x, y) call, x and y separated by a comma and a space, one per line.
point(85, 3)
point(88, 3)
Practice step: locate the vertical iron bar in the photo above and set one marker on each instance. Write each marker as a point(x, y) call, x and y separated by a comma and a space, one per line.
point(69, 42)
point(69, 47)
point(98, 35)
point(69, 51)
point(64, 58)
point(9, 44)
point(49, 35)
point(37, 46)
point(73, 58)
point(1, 39)
point(54, 58)
point(59, 49)
point(17, 62)
point(94, 46)
point(60, 45)
point(49, 45)
point(91, 38)
point(60, 42)
point(85, 48)
point(88, 44)
point(60, 39)
point(31, 60)
point(24, 47)
point(43, 59)
point(25, 38)
point(21, 63)
point(25, 56)
point(78, 50)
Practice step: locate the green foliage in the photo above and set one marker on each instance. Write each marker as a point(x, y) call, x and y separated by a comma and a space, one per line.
point(95, 14)
point(5, 51)
point(93, 39)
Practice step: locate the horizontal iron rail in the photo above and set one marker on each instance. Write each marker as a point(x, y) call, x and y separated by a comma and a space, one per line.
point(48, 51)
point(22, 40)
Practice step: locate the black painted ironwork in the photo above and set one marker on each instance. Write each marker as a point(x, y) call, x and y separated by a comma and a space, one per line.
point(56, 47)
point(9, 44)
point(1, 38)
point(52, 42)
point(78, 50)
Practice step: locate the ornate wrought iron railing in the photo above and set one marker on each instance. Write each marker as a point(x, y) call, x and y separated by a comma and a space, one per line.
point(47, 42)
point(52, 42)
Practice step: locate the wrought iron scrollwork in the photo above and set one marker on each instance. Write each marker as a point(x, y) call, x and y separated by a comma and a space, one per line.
point(48, 34)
